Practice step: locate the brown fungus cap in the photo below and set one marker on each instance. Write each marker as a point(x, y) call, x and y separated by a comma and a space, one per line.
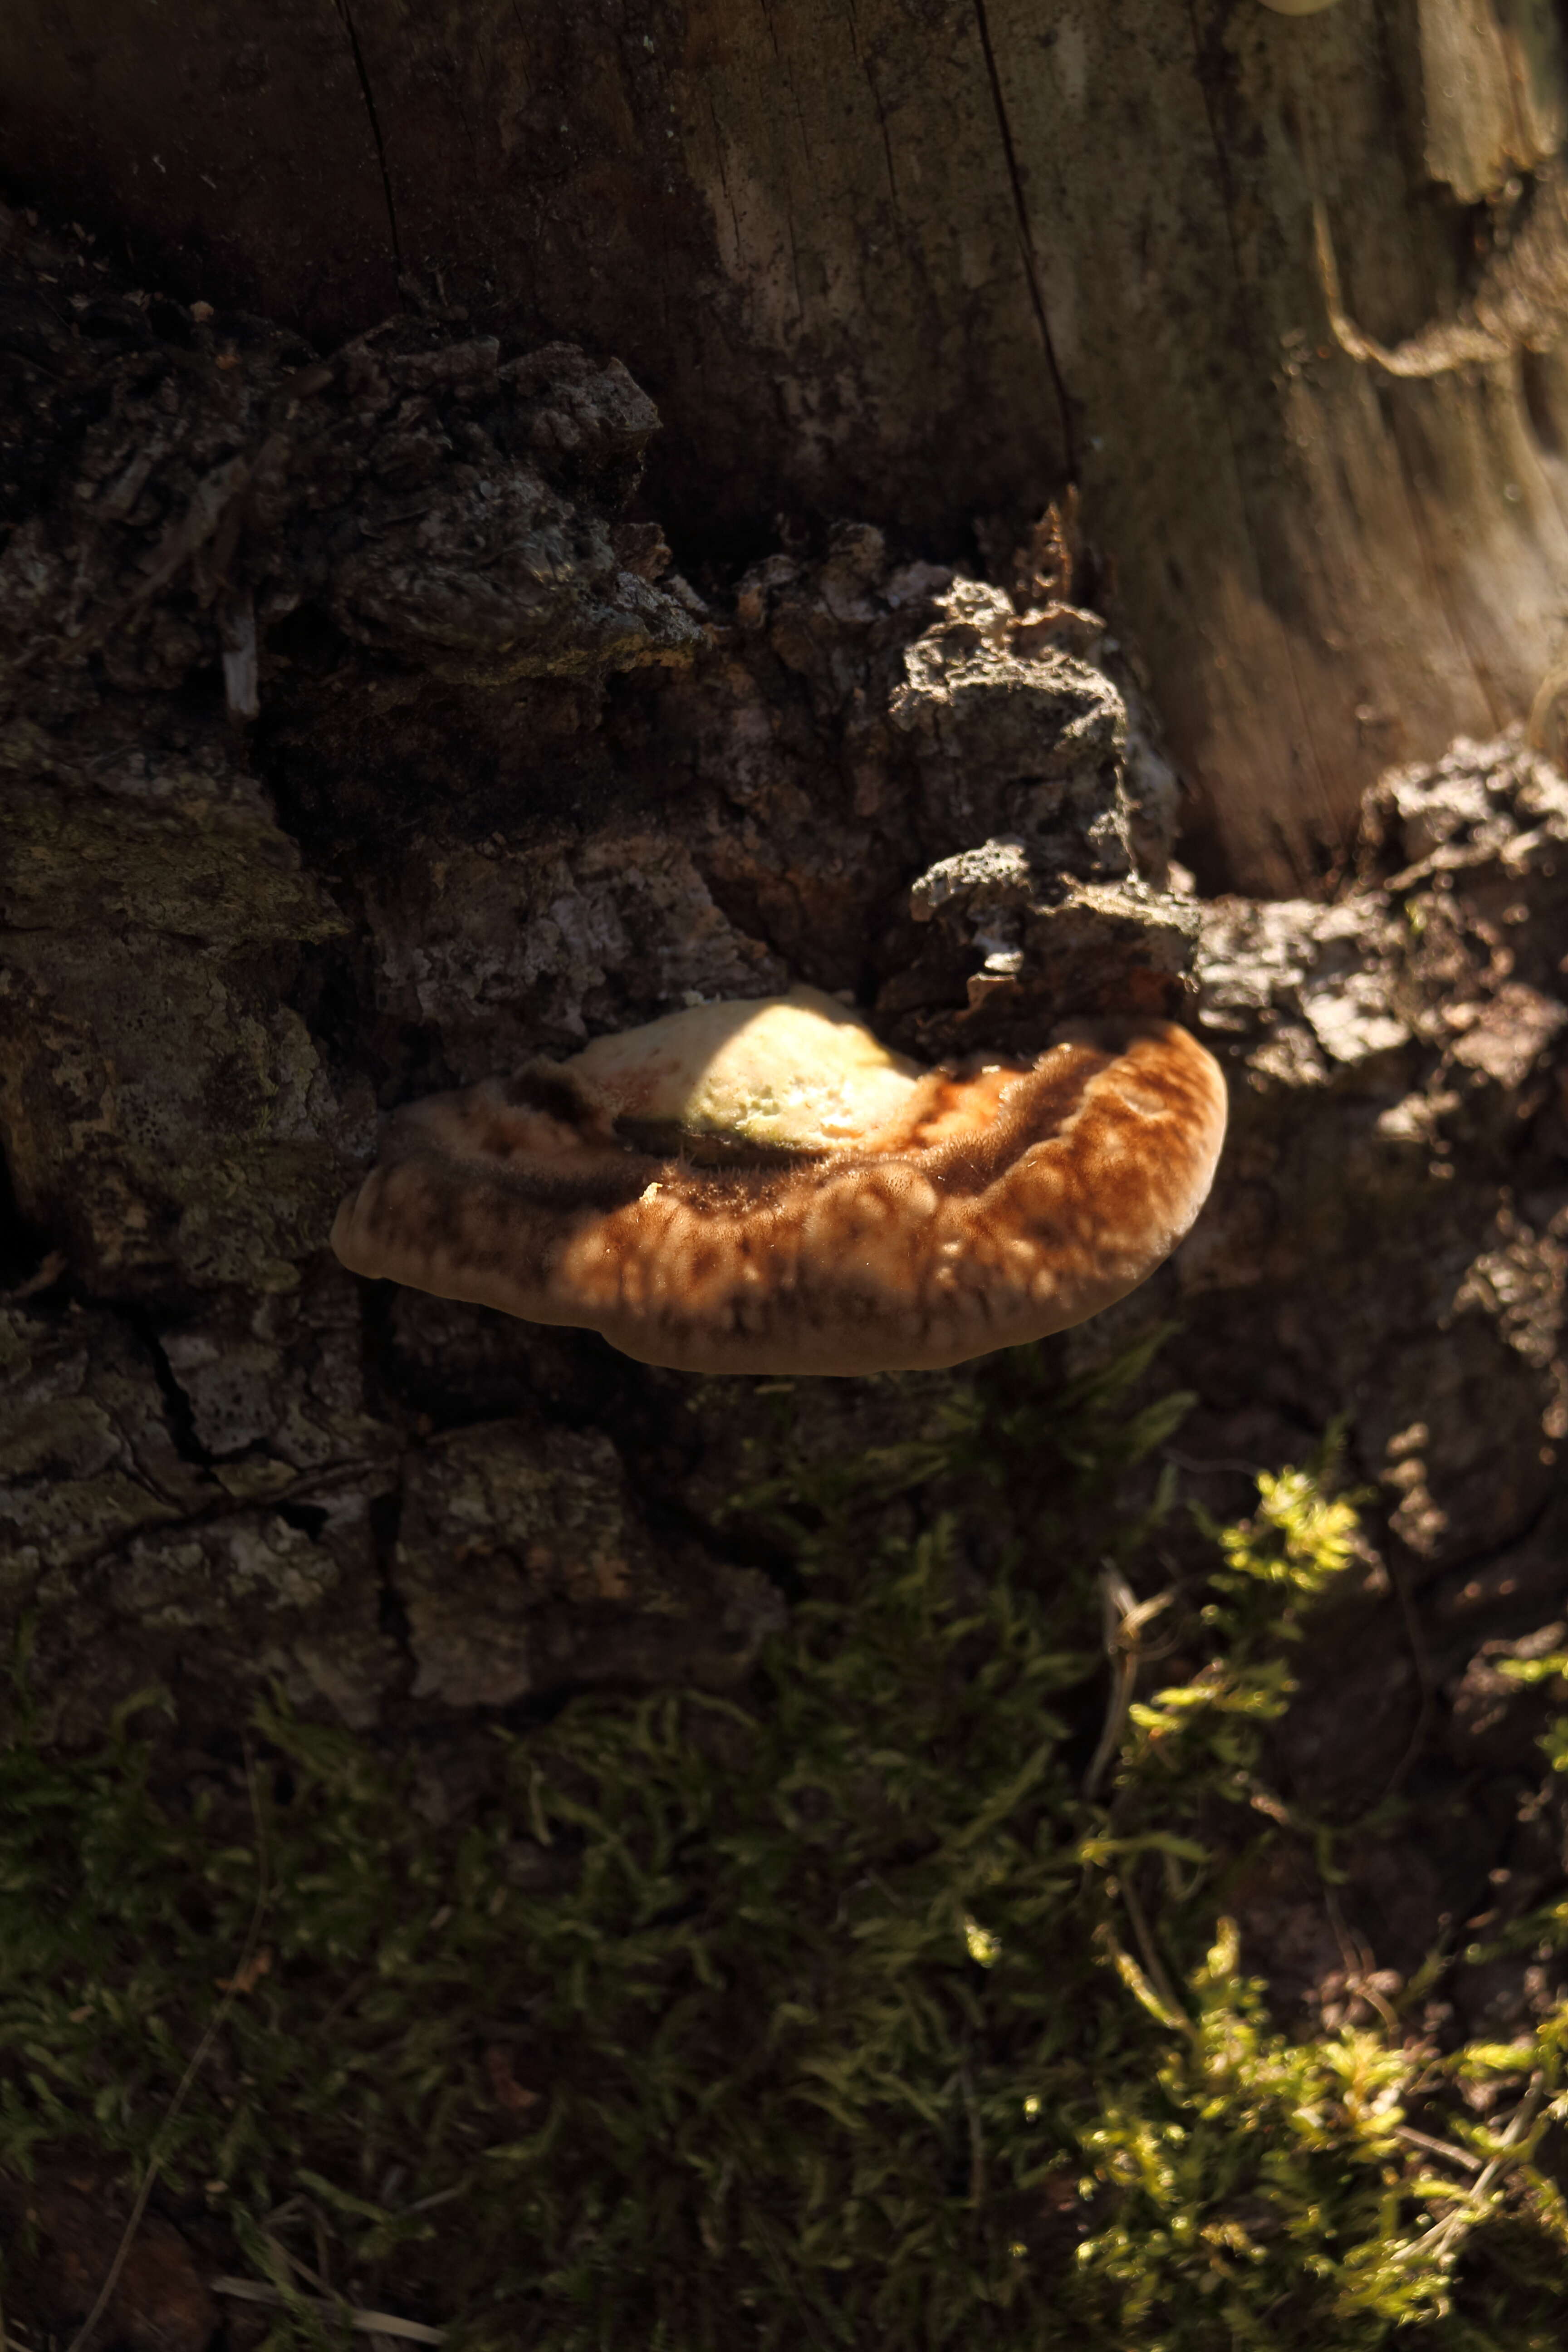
point(764, 1188)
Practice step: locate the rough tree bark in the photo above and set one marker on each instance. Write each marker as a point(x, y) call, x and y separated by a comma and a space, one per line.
point(360, 737)
point(917, 263)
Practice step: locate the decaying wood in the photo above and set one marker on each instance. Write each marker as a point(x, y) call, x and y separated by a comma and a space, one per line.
point(921, 267)
point(227, 944)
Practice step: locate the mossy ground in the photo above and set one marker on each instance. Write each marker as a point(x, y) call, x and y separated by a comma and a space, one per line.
point(836, 2013)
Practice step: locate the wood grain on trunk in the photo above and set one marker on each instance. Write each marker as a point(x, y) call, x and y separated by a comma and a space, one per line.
point(921, 262)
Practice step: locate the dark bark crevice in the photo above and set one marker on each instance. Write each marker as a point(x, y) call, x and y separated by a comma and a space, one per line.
point(362, 73)
point(1027, 256)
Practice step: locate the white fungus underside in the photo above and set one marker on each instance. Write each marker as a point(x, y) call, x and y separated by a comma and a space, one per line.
point(796, 1071)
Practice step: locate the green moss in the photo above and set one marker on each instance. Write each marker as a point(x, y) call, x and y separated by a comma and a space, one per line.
point(838, 2015)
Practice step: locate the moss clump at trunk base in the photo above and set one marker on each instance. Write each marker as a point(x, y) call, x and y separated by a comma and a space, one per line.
point(832, 2013)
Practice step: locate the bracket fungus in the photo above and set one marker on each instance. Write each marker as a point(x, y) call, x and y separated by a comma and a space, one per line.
point(762, 1187)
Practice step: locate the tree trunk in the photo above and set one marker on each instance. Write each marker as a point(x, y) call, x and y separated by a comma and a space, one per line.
point(920, 265)
point(360, 735)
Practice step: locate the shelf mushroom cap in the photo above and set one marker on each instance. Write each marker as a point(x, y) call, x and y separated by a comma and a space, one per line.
point(764, 1188)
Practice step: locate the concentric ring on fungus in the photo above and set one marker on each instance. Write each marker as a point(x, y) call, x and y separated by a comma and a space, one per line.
point(764, 1188)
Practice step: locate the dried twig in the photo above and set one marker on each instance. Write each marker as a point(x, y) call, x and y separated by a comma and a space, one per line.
point(1358, 1959)
point(1153, 1966)
point(976, 2138)
point(367, 2323)
point(1443, 2148)
point(1442, 2241)
point(1519, 304)
point(1125, 1617)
